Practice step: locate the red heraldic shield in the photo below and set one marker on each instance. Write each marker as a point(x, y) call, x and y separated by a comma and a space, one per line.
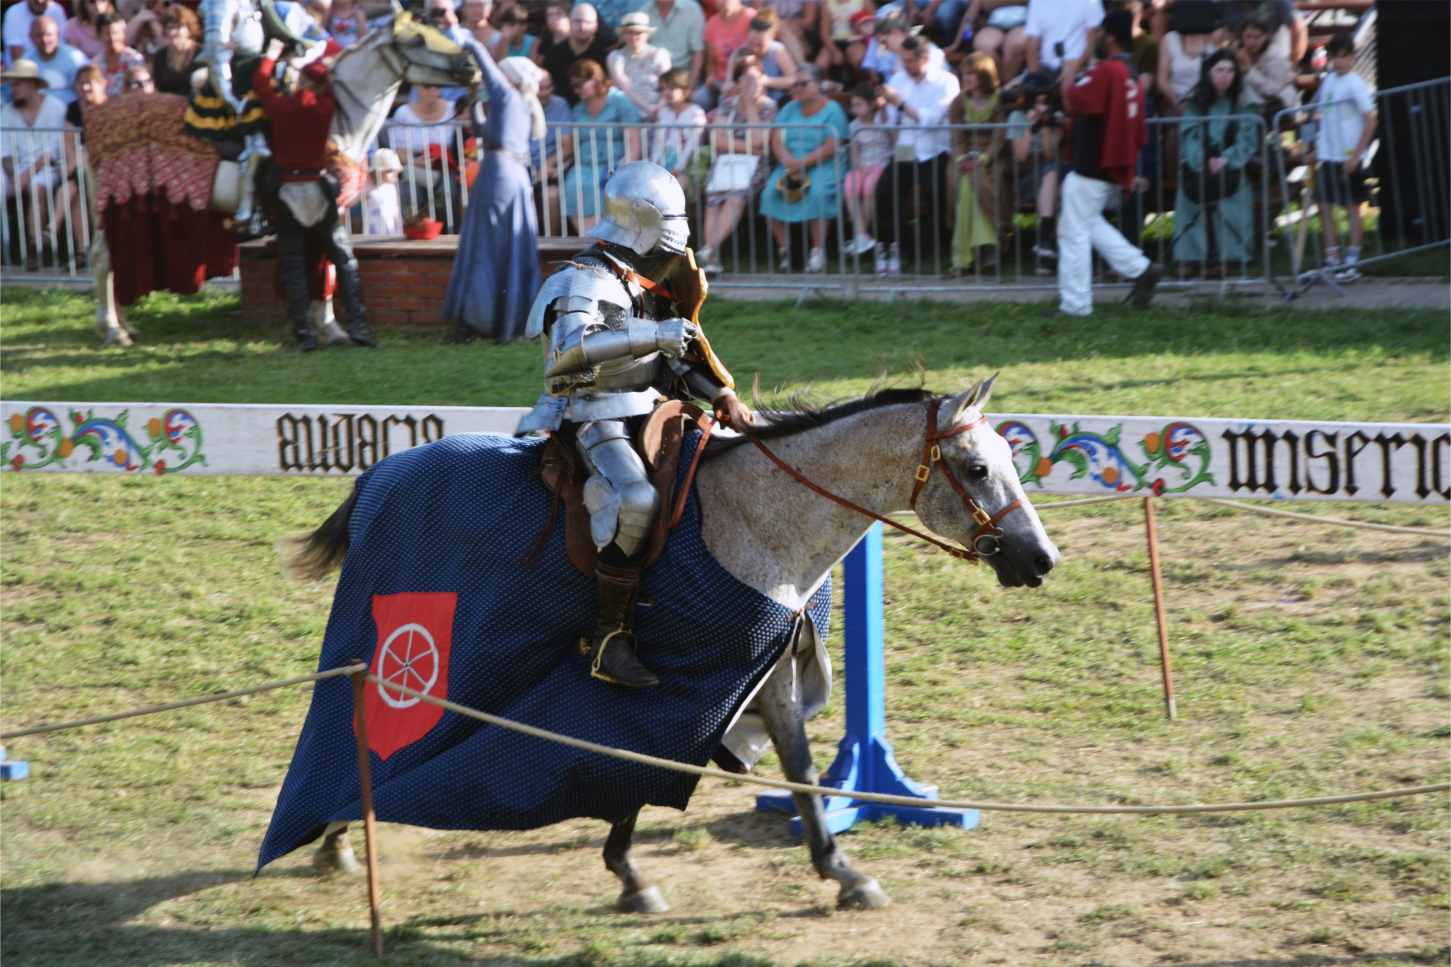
point(414, 635)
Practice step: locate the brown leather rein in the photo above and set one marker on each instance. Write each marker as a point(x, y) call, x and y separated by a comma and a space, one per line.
point(931, 455)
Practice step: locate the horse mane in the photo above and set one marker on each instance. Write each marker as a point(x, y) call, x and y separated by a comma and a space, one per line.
point(806, 413)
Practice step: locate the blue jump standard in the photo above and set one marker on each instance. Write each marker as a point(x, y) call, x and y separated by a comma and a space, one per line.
point(864, 760)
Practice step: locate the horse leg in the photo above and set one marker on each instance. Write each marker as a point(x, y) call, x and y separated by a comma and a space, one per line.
point(335, 853)
point(639, 894)
point(326, 323)
point(111, 322)
point(781, 710)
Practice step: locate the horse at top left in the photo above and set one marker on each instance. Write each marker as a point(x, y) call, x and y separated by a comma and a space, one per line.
point(179, 181)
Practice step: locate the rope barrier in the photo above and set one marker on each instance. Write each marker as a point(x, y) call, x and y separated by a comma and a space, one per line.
point(1080, 503)
point(152, 709)
point(1337, 521)
point(651, 760)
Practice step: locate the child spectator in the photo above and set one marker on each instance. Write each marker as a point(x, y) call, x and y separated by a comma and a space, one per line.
point(676, 149)
point(1347, 124)
point(871, 142)
point(346, 23)
point(635, 69)
point(385, 216)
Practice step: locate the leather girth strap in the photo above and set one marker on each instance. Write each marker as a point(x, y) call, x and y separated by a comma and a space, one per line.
point(562, 470)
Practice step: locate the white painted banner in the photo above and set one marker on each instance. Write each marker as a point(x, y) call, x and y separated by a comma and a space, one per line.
point(229, 439)
point(1084, 455)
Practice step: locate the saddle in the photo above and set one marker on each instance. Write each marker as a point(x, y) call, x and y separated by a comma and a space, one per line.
point(563, 471)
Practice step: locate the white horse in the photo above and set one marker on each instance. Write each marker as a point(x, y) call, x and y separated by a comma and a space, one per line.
point(777, 536)
point(365, 79)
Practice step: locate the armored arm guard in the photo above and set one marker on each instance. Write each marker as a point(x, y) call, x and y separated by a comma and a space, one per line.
point(581, 338)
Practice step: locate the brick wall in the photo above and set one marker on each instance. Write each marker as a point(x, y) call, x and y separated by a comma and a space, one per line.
point(404, 281)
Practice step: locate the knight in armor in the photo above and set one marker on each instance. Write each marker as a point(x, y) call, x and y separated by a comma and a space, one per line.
point(307, 197)
point(615, 344)
point(228, 109)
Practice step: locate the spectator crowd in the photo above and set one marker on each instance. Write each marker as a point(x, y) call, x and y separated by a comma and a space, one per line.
point(927, 124)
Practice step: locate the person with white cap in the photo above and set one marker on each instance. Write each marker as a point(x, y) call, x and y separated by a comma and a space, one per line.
point(384, 215)
point(636, 67)
point(496, 268)
point(30, 159)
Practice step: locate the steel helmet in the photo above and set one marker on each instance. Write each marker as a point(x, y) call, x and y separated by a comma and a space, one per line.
point(644, 210)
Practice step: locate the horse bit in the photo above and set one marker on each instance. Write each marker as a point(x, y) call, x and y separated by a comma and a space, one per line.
point(987, 531)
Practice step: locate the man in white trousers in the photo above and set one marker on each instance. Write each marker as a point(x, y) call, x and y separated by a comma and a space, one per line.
point(1108, 131)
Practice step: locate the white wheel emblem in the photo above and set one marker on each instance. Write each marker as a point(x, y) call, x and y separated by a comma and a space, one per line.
point(409, 658)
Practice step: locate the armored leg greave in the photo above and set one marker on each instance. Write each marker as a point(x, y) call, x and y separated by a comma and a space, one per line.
point(623, 506)
point(621, 500)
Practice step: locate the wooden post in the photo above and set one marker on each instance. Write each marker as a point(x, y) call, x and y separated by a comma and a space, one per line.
point(365, 782)
point(1159, 606)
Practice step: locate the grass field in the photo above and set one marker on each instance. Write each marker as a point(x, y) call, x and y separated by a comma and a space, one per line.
point(1311, 659)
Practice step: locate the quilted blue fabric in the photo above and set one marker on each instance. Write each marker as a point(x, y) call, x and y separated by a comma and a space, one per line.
point(454, 516)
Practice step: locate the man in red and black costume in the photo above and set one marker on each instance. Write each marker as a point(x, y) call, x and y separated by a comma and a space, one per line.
point(1108, 131)
point(306, 203)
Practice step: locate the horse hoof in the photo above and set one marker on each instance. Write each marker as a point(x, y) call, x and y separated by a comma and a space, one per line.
point(335, 860)
point(117, 337)
point(647, 900)
point(333, 335)
point(131, 330)
point(867, 895)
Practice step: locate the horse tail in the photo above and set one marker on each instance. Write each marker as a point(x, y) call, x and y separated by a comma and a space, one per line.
point(325, 548)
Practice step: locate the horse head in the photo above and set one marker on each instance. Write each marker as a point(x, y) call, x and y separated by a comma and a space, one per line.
point(420, 54)
point(1016, 546)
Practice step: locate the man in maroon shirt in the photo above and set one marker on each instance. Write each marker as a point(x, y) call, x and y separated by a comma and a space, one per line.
point(1108, 131)
point(307, 196)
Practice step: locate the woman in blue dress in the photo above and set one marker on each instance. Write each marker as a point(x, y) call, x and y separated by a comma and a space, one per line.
point(806, 152)
point(597, 151)
point(496, 269)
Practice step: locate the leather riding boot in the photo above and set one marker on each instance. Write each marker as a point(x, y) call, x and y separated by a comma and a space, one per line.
point(350, 288)
point(292, 266)
point(612, 650)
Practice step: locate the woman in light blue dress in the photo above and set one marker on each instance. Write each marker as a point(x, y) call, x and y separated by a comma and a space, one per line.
point(496, 268)
point(806, 151)
point(597, 151)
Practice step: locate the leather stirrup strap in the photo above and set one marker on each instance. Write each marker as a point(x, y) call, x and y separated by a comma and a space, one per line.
point(681, 497)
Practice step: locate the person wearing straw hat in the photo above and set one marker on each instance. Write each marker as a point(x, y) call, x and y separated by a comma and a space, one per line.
point(636, 67)
point(30, 160)
point(496, 268)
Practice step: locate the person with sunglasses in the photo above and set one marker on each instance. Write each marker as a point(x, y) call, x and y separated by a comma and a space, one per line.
point(138, 81)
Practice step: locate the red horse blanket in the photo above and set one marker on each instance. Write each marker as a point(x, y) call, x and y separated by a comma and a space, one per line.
point(153, 196)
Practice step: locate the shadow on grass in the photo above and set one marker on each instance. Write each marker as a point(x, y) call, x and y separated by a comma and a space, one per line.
point(84, 925)
point(195, 349)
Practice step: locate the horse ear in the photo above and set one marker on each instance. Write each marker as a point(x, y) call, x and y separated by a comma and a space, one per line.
point(977, 396)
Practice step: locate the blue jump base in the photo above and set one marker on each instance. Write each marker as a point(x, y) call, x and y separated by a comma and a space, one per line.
point(864, 759)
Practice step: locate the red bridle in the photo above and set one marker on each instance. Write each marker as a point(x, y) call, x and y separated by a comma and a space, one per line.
point(932, 454)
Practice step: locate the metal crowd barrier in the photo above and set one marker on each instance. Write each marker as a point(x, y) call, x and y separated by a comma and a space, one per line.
point(729, 224)
point(47, 222)
point(1405, 185)
point(1245, 223)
